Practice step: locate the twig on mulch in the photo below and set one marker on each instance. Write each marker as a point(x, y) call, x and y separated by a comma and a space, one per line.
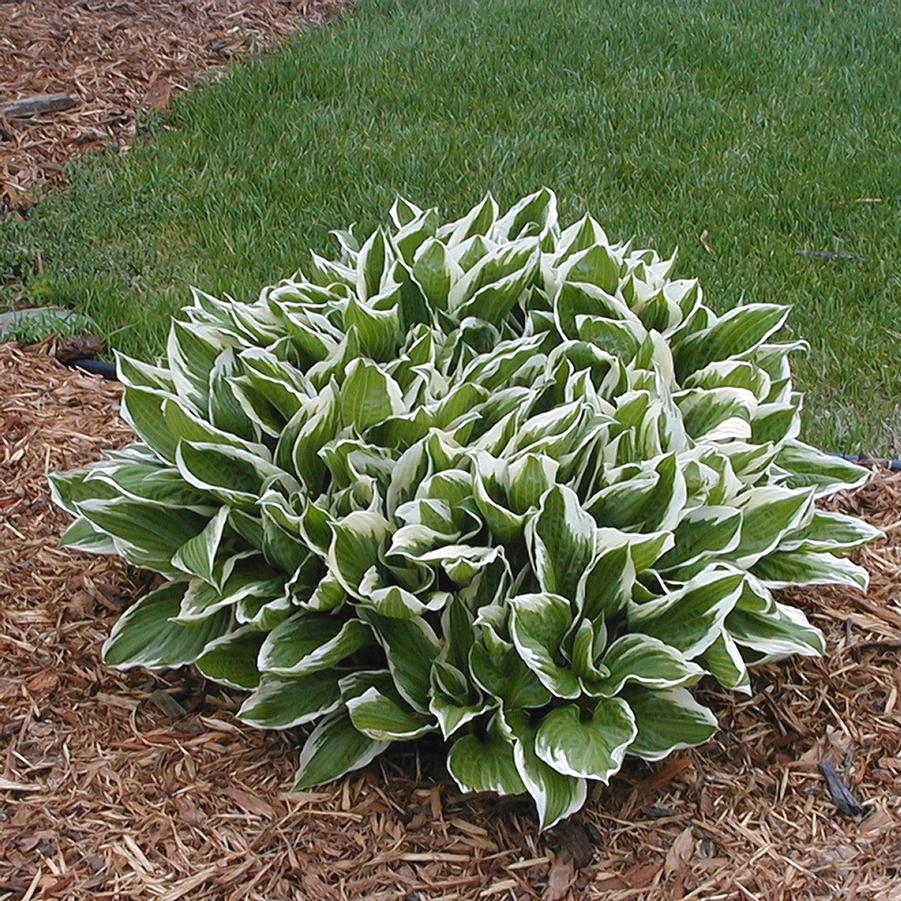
point(36, 105)
point(105, 62)
point(841, 794)
point(108, 791)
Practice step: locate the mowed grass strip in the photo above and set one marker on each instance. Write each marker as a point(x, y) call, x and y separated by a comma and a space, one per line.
point(739, 133)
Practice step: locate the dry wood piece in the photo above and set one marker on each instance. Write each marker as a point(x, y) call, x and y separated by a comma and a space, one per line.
point(103, 795)
point(842, 796)
point(110, 60)
point(36, 105)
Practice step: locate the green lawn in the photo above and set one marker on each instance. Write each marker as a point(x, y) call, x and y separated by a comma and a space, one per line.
point(762, 124)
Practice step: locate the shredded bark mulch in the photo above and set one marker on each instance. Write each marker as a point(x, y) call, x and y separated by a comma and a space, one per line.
point(94, 65)
point(131, 785)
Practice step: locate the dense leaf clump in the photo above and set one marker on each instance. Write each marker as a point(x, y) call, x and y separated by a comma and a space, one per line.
point(492, 478)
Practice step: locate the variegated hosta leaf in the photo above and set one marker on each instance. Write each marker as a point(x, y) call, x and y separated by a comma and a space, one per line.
point(279, 703)
point(777, 633)
point(667, 720)
point(556, 795)
point(146, 635)
point(563, 540)
point(587, 743)
point(491, 478)
point(309, 642)
point(643, 660)
point(385, 716)
point(484, 761)
point(333, 748)
point(724, 660)
point(498, 669)
point(539, 624)
point(689, 618)
point(232, 659)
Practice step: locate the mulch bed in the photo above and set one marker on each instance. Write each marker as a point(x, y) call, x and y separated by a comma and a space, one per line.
point(115, 59)
point(135, 786)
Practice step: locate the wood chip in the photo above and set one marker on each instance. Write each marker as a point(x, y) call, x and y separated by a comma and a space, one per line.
point(842, 796)
point(11, 785)
point(36, 105)
point(680, 852)
point(251, 803)
point(560, 877)
point(166, 704)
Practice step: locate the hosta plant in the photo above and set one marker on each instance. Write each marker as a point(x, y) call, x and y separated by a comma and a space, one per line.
point(492, 478)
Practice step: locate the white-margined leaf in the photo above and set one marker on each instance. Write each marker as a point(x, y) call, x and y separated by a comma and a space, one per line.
point(562, 540)
point(690, 618)
point(281, 703)
point(732, 374)
point(768, 514)
point(484, 762)
point(82, 536)
point(703, 533)
point(737, 332)
point(480, 220)
point(369, 396)
point(605, 587)
point(410, 647)
point(149, 482)
point(358, 541)
point(830, 531)
point(556, 796)
point(333, 749)
point(724, 661)
point(379, 330)
point(499, 670)
point(587, 743)
point(230, 475)
point(452, 714)
point(784, 630)
point(309, 642)
point(139, 374)
point(786, 568)
point(808, 467)
point(240, 576)
point(538, 625)
point(232, 659)
point(645, 548)
point(145, 635)
point(653, 500)
point(588, 642)
point(667, 720)
point(718, 414)
point(68, 489)
point(387, 718)
point(197, 556)
point(644, 660)
point(145, 536)
point(192, 352)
